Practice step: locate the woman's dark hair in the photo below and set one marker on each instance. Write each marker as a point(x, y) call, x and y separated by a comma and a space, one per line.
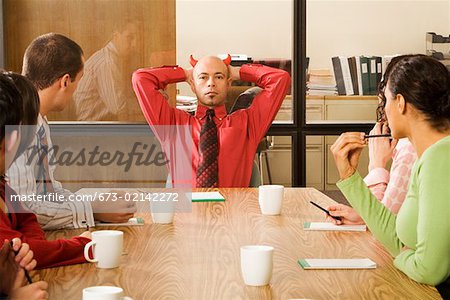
point(30, 107)
point(11, 112)
point(424, 82)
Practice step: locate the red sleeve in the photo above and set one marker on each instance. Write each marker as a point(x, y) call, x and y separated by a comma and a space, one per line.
point(275, 84)
point(47, 253)
point(146, 85)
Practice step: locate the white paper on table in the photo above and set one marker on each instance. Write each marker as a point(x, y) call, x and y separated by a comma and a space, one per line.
point(332, 227)
point(205, 196)
point(352, 263)
point(131, 222)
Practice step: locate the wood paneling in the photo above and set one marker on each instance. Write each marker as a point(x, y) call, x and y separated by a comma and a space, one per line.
point(197, 257)
point(90, 23)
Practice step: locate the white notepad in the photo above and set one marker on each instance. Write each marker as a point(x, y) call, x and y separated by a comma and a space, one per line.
point(207, 196)
point(353, 263)
point(131, 222)
point(331, 227)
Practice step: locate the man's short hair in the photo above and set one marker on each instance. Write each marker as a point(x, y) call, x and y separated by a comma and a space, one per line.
point(49, 57)
point(11, 111)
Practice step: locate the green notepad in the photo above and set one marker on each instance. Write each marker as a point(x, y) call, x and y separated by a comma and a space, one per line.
point(336, 263)
point(207, 197)
point(303, 263)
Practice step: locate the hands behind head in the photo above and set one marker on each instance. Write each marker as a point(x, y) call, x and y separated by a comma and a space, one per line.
point(380, 149)
point(346, 151)
point(348, 215)
point(234, 72)
point(189, 77)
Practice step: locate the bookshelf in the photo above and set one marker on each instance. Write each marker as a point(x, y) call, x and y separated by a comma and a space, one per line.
point(320, 169)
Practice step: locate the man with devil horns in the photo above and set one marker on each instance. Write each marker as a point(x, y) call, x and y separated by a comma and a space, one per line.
point(221, 147)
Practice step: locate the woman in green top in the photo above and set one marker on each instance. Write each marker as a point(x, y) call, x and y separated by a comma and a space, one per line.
point(415, 91)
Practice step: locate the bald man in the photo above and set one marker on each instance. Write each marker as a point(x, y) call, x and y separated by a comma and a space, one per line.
point(211, 148)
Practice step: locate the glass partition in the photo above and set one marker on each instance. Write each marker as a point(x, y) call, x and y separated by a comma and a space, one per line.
point(350, 43)
point(117, 37)
point(120, 36)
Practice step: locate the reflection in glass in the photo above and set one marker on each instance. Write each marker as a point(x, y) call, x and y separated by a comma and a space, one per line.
point(105, 92)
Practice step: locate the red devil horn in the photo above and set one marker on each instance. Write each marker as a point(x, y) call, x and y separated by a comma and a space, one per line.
point(227, 60)
point(193, 61)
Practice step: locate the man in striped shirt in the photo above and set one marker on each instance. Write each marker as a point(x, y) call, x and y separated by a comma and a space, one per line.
point(105, 92)
point(54, 64)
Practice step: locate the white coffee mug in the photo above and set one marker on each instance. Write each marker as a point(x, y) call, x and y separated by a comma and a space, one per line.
point(256, 264)
point(270, 199)
point(104, 293)
point(162, 212)
point(107, 246)
point(163, 218)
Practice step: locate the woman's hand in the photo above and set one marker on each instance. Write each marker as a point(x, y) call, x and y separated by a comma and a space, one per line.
point(12, 266)
point(346, 151)
point(348, 215)
point(24, 257)
point(34, 291)
point(380, 148)
point(86, 234)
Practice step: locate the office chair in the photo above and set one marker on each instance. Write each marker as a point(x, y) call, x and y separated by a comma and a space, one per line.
point(243, 101)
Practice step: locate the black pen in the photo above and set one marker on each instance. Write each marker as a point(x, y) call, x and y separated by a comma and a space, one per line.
point(327, 212)
point(388, 135)
point(27, 276)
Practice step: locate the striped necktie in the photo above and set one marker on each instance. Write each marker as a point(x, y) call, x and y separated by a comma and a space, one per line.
point(207, 170)
point(43, 181)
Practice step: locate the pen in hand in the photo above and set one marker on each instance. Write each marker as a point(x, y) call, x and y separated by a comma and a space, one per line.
point(326, 211)
point(27, 276)
point(388, 135)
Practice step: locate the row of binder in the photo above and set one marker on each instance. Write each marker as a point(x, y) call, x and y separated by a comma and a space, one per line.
point(359, 75)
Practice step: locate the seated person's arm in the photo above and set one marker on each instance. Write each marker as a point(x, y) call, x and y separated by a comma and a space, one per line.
point(47, 253)
point(50, 215)
point(147, 84)
point(275, 84)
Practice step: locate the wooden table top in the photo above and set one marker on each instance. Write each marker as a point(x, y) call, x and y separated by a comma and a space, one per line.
point(198, 256)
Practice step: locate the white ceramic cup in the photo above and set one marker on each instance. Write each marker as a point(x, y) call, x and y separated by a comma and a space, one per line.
point(256, 264)
point(107, 246)
point(270, 199)
point(104, 293)
point(163, 213)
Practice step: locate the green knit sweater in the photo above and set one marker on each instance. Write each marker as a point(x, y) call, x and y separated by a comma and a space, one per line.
point(419, 236)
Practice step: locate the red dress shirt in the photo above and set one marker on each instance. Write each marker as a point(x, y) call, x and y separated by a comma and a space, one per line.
point(239, 133)
point(19, 223)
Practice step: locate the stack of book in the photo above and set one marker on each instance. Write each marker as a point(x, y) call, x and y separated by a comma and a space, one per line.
point(321, 82)
point(359, 75)
point(187, 103)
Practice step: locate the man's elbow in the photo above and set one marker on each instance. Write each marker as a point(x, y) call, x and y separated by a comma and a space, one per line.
point(285, 79)
point(136, 77)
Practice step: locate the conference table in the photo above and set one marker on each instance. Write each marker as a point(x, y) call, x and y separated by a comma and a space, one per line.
point(198, 256)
